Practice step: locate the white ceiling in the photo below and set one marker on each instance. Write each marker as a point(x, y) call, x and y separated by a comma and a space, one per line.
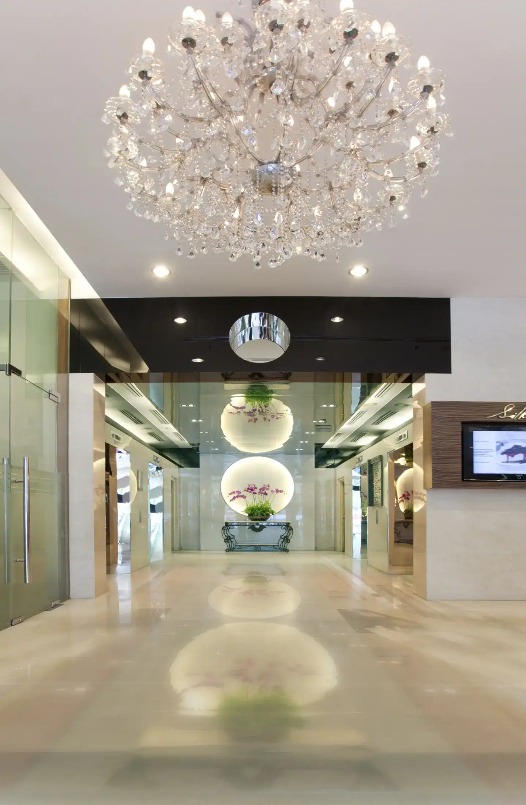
point(60, 60)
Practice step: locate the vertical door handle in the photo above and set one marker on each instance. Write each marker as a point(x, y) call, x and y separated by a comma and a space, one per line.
point(5, 485)
point(27, 522)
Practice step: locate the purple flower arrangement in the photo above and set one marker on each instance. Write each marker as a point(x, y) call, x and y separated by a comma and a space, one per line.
point(259, 499)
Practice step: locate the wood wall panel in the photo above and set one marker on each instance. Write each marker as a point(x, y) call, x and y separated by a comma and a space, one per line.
point(443, 441)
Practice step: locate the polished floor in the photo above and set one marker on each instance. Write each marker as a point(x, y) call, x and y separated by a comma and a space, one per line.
point(262, 679)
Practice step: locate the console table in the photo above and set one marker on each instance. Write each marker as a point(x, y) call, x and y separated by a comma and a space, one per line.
point(281, 530)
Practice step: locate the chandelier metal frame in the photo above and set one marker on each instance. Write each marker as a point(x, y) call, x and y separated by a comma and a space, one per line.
point(294, 134)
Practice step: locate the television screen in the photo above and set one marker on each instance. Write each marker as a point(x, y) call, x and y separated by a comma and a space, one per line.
point(493, 452)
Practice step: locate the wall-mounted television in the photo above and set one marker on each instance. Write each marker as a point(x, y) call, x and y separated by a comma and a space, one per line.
point(494, 451)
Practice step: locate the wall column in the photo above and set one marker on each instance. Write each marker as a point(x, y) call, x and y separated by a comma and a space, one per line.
point(87, 465)
point(470, 543)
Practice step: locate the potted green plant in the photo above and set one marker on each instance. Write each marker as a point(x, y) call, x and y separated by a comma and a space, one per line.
point(258, 716)
point(259, 500)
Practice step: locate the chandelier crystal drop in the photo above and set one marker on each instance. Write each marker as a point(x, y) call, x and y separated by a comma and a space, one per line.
point(289, 134)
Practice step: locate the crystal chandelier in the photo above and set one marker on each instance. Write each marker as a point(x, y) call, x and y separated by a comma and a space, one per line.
point(289, 134)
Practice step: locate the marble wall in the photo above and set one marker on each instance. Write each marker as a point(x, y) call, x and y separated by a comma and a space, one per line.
point(382, 554)
point(87, 512)
point(140, 457)
point(471, 543)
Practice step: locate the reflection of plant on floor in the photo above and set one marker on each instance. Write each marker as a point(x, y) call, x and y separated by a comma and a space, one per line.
point(258, 716)
point(255, 578)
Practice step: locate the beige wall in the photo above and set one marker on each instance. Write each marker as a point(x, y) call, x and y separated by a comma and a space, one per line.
point(87, 514)
point(471, 543)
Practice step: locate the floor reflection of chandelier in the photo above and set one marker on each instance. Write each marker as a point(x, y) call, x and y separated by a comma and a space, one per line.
point(288, 134)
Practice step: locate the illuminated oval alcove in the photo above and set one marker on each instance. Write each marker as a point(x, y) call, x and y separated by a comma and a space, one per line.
point(253, 429)
point(257, 470)
point(405, 487)
point(251, 658)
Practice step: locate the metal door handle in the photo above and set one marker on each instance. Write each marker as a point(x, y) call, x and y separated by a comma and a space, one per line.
point(27, 522)
point(7, 560)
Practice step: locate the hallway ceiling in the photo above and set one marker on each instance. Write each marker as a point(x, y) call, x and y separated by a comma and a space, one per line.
point(60, 61)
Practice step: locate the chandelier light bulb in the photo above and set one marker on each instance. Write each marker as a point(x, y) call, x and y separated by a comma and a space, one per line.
point(423, 63)
point(285, 134)
point(148, 47)
point(124, 91)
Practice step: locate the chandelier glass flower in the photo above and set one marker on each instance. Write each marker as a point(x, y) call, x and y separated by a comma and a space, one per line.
point(288, 134)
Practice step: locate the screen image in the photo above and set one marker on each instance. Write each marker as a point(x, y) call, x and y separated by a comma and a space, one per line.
point(498, 452)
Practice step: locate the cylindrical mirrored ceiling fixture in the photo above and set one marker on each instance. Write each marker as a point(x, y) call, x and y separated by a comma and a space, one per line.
point(259, 337)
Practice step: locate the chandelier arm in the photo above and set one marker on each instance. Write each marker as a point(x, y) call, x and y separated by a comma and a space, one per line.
point(343, 53)
point(177, 112)
point(392, 160)
point(377, 91)
point(209, 89)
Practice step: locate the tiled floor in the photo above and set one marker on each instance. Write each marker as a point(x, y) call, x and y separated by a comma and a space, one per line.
point(400, 701)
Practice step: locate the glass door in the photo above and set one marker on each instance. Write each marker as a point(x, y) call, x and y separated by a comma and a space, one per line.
point(32, 531)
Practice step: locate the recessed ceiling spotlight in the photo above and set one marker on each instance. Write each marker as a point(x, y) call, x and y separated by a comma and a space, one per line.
point(180, 320)
point(197, 360)
point(358, 271)
point(320, 359)
point(160, 271)
point(337, 319)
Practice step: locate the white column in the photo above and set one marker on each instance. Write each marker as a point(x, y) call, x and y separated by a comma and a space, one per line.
point(471, 544)
point(87, 507)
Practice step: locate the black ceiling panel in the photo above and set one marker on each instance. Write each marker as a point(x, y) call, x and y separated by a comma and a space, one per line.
point(376, 335)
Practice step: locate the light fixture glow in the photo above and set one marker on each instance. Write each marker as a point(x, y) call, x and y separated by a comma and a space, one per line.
point(358, 271)
point(180, 320)
point(197, 360)
point(337, 319)
point(160, 271)
point(320, 358)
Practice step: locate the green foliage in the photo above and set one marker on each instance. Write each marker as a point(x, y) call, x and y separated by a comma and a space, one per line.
point(258, 395)
point(263, 509)
point(258, 717)
point(408, 512)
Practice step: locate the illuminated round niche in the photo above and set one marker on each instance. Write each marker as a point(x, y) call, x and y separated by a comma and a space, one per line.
point(256, 430)
point(405, 485)
point(251, 658)
point(257, 470)
point(255, 596)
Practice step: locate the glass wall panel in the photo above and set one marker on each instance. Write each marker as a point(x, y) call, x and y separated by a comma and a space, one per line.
point(33, 548)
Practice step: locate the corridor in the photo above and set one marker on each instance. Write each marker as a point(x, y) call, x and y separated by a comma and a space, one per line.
point(264, 679)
